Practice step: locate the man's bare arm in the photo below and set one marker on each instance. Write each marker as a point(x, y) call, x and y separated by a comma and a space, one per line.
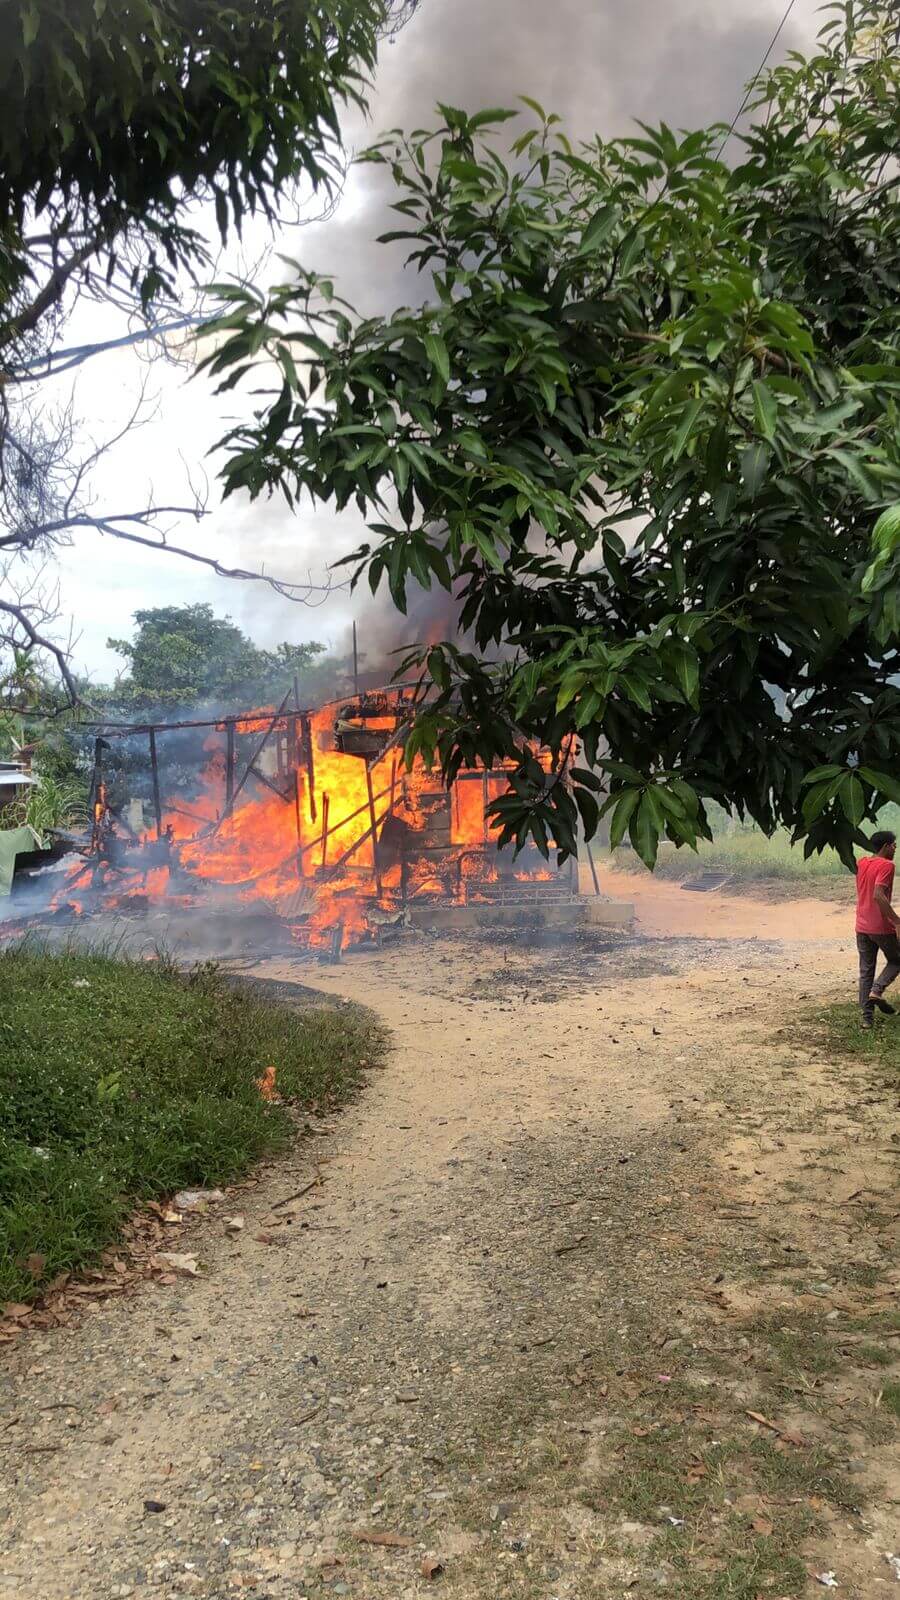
point(883, 902)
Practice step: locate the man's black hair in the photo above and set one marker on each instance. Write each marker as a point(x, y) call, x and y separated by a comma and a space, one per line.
point(879, 840)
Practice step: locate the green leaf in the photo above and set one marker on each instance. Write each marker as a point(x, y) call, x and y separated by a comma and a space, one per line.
point(598, 228)
point(852, 798)
point(438, 355)
point(30, 25)
point(645, 830)
point(859, 474)
point(621, 817)
point(754, 467)
point(818, 797)
point(818, 774)
point(765, 409)
point(882, 783)
point(886, 532)
point(685, 431)
point(481, 119)
point(686, 665)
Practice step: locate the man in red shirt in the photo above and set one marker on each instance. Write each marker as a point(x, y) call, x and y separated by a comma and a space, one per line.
point(877, 925)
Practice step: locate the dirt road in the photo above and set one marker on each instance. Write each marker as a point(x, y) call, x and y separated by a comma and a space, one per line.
point(568, 1239)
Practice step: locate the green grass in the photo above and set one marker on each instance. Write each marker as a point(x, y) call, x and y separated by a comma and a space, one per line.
point(124, 1080)
point(890, 1399)
point(879, 1045)
point(745, 853)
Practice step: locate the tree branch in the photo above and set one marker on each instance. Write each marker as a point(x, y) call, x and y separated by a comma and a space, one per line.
point(51, 292)
point(39, 641)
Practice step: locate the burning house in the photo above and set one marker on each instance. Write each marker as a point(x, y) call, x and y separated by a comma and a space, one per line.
point(311, 816)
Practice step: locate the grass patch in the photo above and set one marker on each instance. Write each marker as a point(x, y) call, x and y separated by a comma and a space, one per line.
point(890, 1399)
point(874, 1355)
point(796, 1346)
point(123, 1080)
point(879, 1045)
point(745, 854)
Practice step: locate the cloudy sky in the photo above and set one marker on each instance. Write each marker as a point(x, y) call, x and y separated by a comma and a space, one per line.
point(599, 64)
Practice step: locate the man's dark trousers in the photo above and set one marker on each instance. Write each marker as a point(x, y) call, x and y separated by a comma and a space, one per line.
point(868, 945)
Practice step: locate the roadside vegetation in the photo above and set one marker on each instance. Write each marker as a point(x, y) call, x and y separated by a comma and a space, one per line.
point(125, 1080)
point(745, 854)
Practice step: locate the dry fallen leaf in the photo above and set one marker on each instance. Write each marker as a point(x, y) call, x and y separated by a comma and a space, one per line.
point(35, 1264)
point(762, 1525)
point(391, 1541)
point(776, 1427)
point(266, 1085)
point(180, 1263)
point(16, 1312)
point(431, 1567)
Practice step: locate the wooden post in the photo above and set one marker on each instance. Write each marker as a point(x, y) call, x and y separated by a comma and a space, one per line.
point(298, 822)
point(229, 769)
point(259, 748)
point(342, 823)
point(375, 862)
point(154, 773)
point(355, 662)
point(326, 806)
point(590, 856)
point(485, 796)
point(310, 767)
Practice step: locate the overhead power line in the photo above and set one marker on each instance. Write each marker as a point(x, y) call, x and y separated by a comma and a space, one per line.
point(753, 81)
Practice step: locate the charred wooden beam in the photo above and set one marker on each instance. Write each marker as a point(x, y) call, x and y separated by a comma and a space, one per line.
point(373, 829)
point(310, 766)
point(154, 776)
point(326, 806)
point(229, 769)
point(261, 745)
point(343, 821)
point(286, 793)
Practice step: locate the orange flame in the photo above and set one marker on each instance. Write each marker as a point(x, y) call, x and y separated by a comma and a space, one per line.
point(299, 837)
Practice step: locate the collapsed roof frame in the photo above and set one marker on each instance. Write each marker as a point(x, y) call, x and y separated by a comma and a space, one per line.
point(294, 722)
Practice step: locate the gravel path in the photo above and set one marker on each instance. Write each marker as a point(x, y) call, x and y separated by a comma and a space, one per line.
point(493, 1210)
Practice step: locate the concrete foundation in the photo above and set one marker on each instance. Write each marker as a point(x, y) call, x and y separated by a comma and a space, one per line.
point(590, 912)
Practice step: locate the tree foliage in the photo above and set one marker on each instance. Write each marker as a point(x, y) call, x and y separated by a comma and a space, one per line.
point(133, 133)
point(644, 430)
point(116, 114)
point(185, 655)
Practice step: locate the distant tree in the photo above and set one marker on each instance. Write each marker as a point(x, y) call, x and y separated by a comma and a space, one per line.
point(644, 430)
point(133, 133)
point(182, 655)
